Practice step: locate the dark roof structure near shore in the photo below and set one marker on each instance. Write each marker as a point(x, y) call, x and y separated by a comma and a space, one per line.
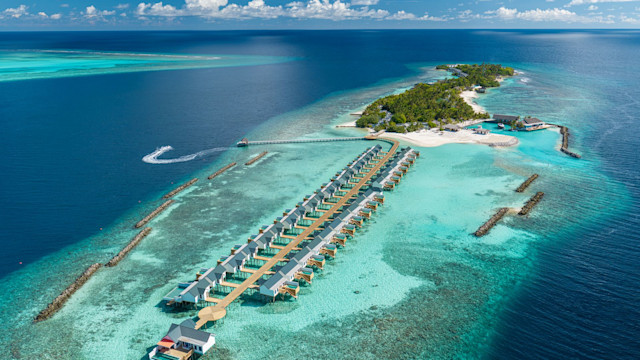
point(532, 121)
point(507, 118)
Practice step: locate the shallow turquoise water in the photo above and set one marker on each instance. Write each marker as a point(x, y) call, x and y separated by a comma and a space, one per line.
point(414, 283)
point(25, 65)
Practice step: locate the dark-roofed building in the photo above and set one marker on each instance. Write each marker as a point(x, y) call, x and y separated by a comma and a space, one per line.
point(531, 123)
point(505, 119)
point(452, 127)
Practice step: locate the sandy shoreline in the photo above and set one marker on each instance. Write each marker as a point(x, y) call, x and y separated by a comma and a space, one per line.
point(433, 138)
point(469, 97)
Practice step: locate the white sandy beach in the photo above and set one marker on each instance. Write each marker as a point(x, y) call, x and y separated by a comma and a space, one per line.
point(433, 138)
point(468, 96)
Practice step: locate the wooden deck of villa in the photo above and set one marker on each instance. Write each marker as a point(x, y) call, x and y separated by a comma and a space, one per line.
point(218, 311)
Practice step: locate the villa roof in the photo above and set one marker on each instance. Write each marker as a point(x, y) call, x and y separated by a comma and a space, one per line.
point(187, 334)
point(532, 120)
point(506, 117)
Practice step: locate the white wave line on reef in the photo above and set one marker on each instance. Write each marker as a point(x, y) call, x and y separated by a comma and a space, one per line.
point(152, 158)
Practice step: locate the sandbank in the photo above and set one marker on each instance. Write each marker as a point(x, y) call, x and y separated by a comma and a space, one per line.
point(433, 138)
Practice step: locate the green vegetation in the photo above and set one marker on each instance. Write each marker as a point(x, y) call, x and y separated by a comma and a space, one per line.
point(432, 105)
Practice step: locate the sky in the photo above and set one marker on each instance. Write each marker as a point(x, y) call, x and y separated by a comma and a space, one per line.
point(315, 14)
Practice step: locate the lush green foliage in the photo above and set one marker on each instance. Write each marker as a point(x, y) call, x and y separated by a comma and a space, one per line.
point(432, 104)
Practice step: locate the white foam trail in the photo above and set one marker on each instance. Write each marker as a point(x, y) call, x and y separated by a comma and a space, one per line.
point(525, 80)
point(152, 158)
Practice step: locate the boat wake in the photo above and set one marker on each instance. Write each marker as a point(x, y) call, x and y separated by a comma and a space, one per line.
point(152, 158)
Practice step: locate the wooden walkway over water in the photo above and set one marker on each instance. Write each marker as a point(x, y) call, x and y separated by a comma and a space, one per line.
point(218, 311)
point(246, 142)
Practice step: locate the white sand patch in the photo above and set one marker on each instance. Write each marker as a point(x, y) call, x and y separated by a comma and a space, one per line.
point(469, 97)
point(433, 138)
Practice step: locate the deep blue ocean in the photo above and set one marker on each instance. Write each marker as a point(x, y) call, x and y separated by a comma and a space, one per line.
point(72, 149)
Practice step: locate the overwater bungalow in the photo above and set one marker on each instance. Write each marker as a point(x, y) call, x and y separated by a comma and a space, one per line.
point(181, 342)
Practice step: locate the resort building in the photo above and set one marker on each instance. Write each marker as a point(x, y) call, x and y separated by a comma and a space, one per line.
point(531, 123)
point(183, 341)
point(452, 127)
point(479, 130)
point(505, 119)
point(285, 254)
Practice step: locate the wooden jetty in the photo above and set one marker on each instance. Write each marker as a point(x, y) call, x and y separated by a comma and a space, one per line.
point(154, 213)
point(180, 188)
point(484, 229)
point(245, 142)
point(526, 184)
point(214, 313)
point(133, 243)
point(219, 172)
point(59, 301)
point(250, 162)
point(535, 199)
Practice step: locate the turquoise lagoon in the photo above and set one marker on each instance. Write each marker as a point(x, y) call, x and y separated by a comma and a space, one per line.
point(413, 284)
point(18, 65)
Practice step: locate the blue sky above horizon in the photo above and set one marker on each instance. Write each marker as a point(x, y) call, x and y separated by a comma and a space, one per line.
point(316, 14)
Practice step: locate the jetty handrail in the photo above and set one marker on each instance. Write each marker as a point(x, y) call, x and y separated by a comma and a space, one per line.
point(294, 141)
point(204, 315)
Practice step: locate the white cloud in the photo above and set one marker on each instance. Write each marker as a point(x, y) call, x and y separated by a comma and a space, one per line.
point(122, 6)
point(157, 9)
point(629, 20)
point(592, 8)
point(364, 2)
point(554, 14)
point(311, 9)
point(15, 13)
point(55, 16)
point(583, 2)
point(92, 13)
point(43, 14)
point(402, 15)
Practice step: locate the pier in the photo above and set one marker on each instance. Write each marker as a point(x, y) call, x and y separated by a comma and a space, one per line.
point(260, 156)
point(245, 142)
point(213, 313)
point(57, 303)
point(154, 213)
point(484, 229)
point(180, 188)
point(133, 243)
point(535, 199)
point(286, 252)
point(219, 172)
point(526, 184)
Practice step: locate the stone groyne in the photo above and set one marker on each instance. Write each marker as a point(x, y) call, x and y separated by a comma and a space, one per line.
point(133, 243)
point(59, 301)
point(484, 229)
point(565, 142)
point(180, 188)
point(153, 214)
point(526, 184)
point(219, 172)
point(535, 199)
point(256, 158)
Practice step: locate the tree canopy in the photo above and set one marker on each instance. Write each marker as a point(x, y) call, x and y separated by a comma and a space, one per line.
point(432, 104)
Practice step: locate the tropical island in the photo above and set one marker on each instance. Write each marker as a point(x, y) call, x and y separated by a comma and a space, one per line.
point(433, 105)
point(420, 114)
